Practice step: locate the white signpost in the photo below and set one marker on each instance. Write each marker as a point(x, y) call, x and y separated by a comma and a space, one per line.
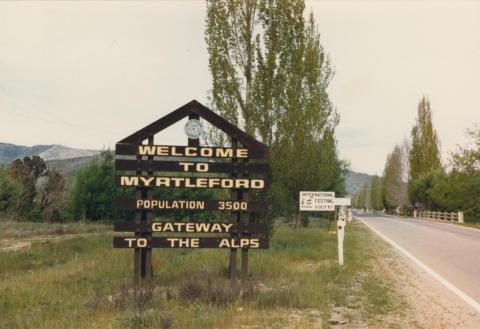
point(326, 201)
point(341, 222)
point(317, 201)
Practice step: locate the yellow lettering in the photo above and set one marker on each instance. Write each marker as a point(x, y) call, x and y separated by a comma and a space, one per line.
point(186, 165)
point(202, 167)
point(258, 183)
point(130, 241)
point(194, 243)
point(168, 227)
point(172, 241)
point(188, 183)
point(224, 243)
point(129, 180)
point(146, 181)
point(202, 182)
point(191, 151)
point(212, 182)
point(202, 227)
point(183, 242)
point(242, 153)
point(177, 181)
point(174, 152)
point(227, 183)
point(242, 183)
point(215, 228)
point(163, 181)
point(162, 150)
point(206, 152)
point(227, 227)
point(233, 244)
point(146, 150)
point(224, 153)
point(189, 227)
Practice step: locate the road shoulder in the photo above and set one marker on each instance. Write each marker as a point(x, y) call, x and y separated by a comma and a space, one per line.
point(430, 304)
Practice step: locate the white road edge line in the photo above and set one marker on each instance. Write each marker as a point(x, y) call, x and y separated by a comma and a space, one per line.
point(467, 299)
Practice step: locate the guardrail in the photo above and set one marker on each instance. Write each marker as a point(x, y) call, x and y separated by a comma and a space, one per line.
point(438, 215)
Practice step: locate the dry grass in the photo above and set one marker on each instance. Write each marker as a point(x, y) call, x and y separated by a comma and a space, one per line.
point(13, 229)
point(84, 283)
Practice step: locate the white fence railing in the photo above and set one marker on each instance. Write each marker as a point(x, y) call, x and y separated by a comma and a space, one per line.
point(438, 215)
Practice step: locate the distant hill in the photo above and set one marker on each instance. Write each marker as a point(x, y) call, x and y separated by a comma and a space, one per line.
point(69, 167)
point(11, 152)
point(354, 181)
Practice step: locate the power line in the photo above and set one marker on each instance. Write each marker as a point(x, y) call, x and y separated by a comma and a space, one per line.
point(23, 110)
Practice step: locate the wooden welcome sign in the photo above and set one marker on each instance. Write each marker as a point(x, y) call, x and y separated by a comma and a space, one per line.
point(137, 162)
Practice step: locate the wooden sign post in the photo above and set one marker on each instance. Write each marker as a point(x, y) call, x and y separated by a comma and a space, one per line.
point(326, 201)
point(341, 223)
point(136, 164)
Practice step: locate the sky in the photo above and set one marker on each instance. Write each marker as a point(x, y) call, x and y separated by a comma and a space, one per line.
point(87, 74)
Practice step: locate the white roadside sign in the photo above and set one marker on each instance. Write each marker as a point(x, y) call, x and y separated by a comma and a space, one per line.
point(341, 223)
point(343, 201)
point(317, 201)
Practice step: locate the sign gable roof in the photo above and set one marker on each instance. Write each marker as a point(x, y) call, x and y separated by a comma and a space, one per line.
point(194, 107)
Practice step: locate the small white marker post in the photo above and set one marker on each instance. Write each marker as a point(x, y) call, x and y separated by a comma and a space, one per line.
point(341, 222)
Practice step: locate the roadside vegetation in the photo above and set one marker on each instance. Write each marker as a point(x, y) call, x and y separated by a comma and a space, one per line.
point(11, 229)
point(82, 282)
point(415, 177)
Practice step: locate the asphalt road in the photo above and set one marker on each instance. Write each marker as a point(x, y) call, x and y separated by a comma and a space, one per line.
point(450, 251)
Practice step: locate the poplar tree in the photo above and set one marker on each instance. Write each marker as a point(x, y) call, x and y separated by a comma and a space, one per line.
point(376, 195)
point(424, 154)
point(358, 199)
point(269, 76)
point(394, 188)
point(365, 199)
point(424, 157)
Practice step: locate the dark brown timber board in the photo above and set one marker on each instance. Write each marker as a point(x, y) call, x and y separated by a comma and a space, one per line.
point(187, 242)
point(176, 166)
point(195, 108)
point(132, 149)
point(190, 227)
point(190, 182)
point(168, 204)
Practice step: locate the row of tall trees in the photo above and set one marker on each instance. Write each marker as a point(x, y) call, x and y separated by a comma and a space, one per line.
point(390, 190)
point(455, 187)
point(270, 75)
point(414, 176)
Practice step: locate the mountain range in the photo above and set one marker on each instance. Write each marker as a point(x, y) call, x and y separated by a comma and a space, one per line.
point(354, 181)
point(68, 160)
point(11, 152)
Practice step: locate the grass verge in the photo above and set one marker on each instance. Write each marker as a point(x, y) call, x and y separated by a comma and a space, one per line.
point(12, 229)
point(84, 283)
